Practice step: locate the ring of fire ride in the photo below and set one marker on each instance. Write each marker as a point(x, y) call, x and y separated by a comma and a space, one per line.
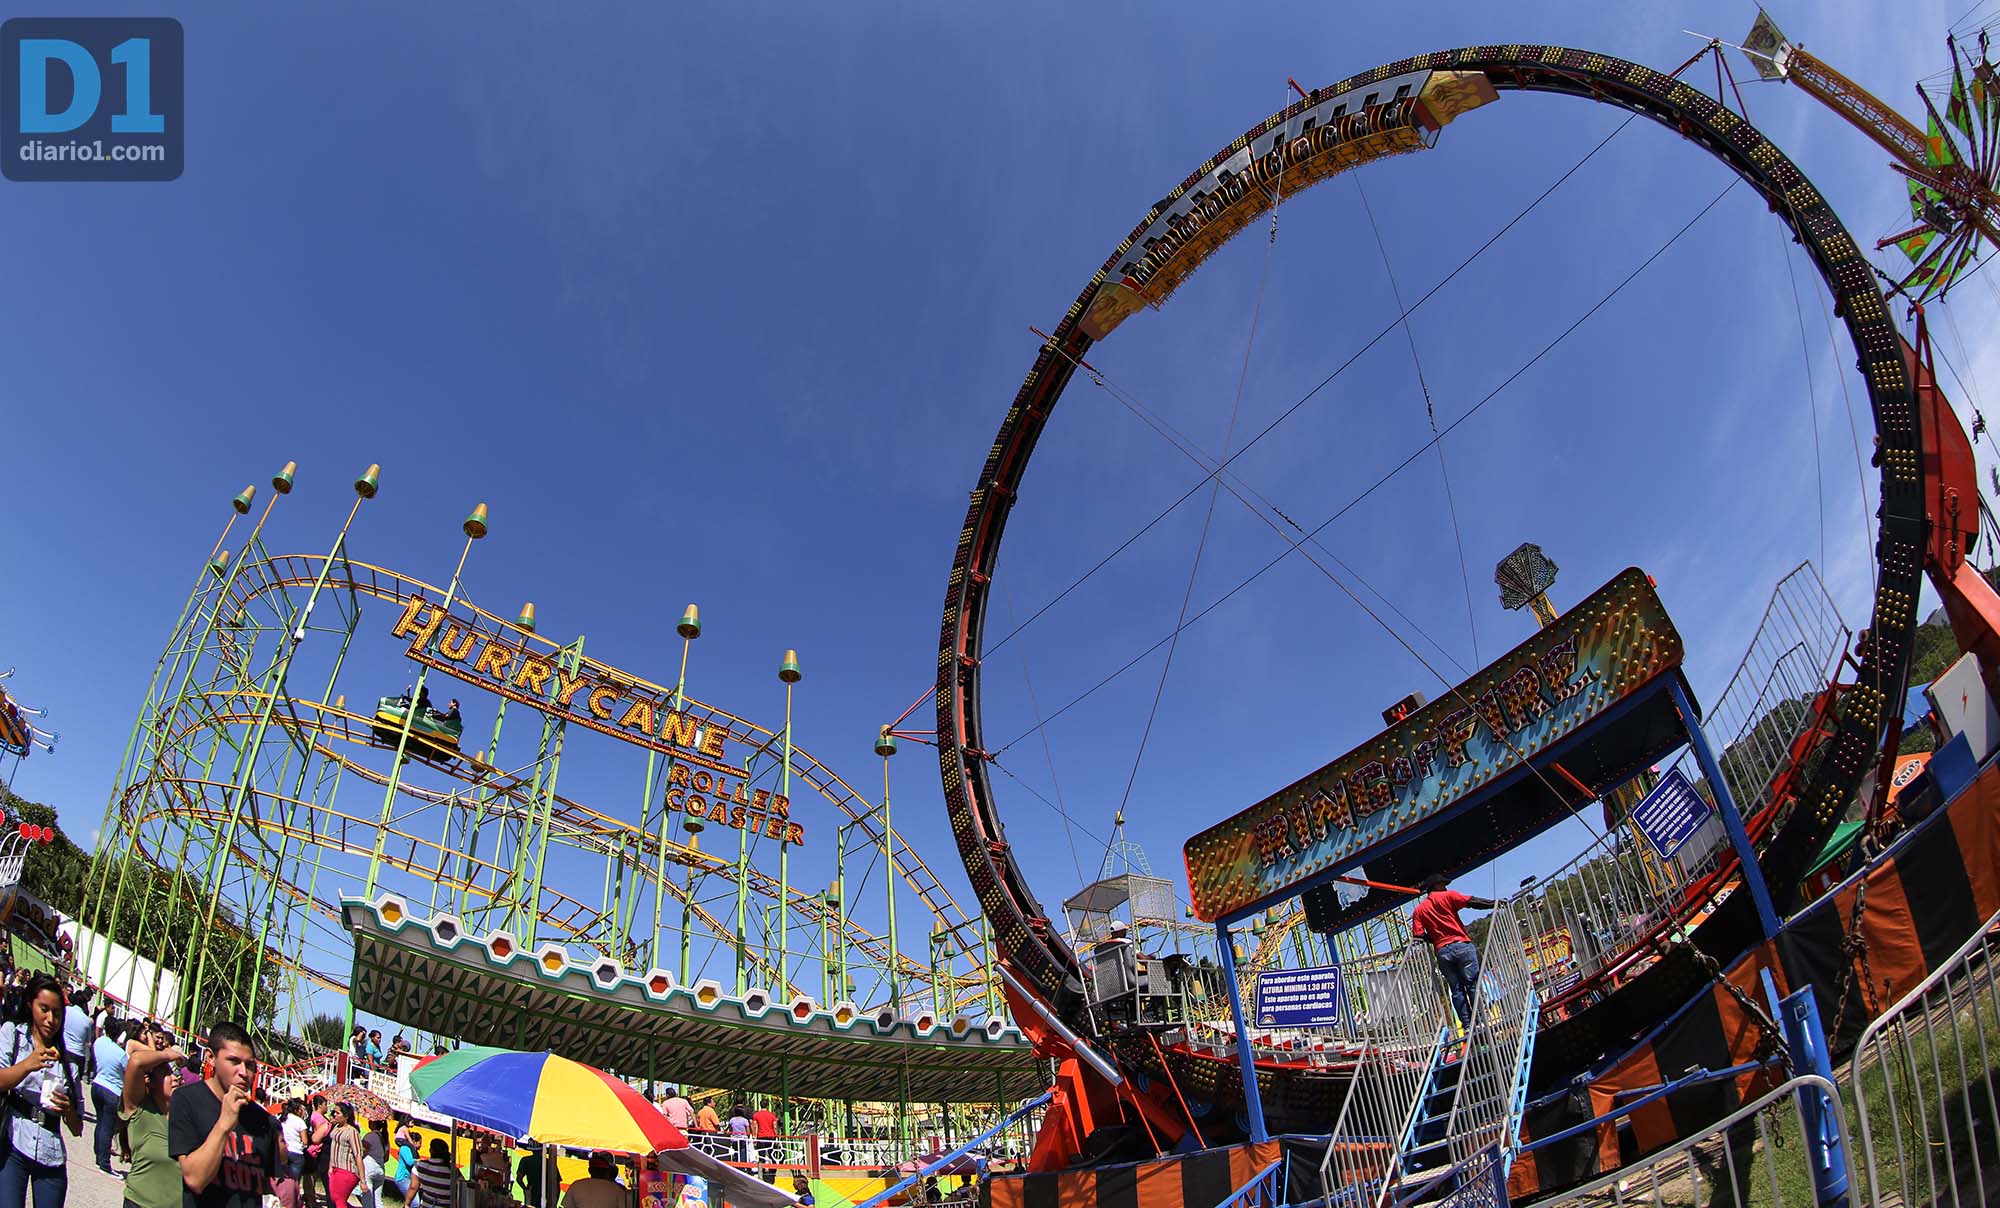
point(1398, 108)
point(480, 901)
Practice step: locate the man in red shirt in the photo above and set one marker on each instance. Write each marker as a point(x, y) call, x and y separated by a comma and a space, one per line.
point(764, 1125)
point(1435, 921)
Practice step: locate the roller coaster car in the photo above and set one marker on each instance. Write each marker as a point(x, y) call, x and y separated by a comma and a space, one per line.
point(432, 734)
point(1127, 987)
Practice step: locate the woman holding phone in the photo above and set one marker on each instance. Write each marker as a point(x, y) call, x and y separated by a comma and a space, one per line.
point(40, 1082)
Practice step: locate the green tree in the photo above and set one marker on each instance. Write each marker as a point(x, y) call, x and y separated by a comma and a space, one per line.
point(159, 916)
point(326, 1031)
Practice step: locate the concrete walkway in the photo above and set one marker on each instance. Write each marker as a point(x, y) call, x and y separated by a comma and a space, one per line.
point(90, 1187)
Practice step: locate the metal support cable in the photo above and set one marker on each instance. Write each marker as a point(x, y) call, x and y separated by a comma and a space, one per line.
point(1215, 491)
point(1812, 396)
point(1398, 468)
point(1323, 383)
point(1430, 413)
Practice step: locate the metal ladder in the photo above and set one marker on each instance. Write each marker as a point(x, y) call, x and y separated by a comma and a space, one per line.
point(1453, 1103)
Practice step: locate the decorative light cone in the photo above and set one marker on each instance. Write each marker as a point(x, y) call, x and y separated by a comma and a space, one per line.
point(340, 703)
point(833, 896)
point(475, 523)
point(690, 626)
point(281, 482)
point(369, 483)
point(693, 824)
point(220, 563)
point(243, 499)
point(788, 670)
point(885, 743)
point(527, 618)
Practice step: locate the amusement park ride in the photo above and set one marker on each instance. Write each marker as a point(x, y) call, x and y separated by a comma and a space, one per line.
point(449, 869)
point(1567, 719)
point(448, 862)
point(19, 736)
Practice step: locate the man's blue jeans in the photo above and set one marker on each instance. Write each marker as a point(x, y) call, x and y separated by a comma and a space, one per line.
point(1459, 963)
point(107, 1124)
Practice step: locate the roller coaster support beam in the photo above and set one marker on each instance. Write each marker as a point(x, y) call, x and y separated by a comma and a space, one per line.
point(788, 673)
point(889, 864)
point(298, 788)
point(482, 794)
point(475, 528)
point(100, 873)
point(526, 913)
point(1253, 1101)
point(246, 763)
point(186, 649)
point(190, 1006)
point(689, 629)
point(1725, 804)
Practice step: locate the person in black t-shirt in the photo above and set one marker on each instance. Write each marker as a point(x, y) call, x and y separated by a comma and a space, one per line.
point(229, 1148)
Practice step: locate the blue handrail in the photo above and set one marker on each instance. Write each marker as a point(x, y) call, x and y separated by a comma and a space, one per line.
point(940, 1162)
point(1260, 1179)
point(1697, 1078)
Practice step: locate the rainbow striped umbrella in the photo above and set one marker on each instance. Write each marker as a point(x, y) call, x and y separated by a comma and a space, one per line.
point(552, 1099)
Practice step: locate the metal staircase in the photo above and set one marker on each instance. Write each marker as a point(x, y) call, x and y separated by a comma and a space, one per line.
point(1421, 1122)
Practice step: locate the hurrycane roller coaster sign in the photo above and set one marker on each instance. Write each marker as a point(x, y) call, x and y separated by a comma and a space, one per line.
point(590, 694)
point(1574, 670)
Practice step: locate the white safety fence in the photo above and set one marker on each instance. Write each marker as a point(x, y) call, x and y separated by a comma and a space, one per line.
point(754, 1151)
point(1753, 1158)
point(1923, 1078)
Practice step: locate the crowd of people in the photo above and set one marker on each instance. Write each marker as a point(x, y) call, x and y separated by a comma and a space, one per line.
point(193, 1129)
point(365, 1046)
point(751, 1133)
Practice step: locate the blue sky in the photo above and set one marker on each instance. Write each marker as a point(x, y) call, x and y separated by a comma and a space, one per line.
point(724, 304)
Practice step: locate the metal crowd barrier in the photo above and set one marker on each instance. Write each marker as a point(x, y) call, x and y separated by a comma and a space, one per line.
point(1923, 1080)
point(1746, 1159)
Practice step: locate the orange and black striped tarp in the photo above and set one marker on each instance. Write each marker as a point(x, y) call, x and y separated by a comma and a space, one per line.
point(1196, 1180)
point(1929, 893)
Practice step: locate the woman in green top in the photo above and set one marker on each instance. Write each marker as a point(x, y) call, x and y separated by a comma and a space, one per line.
point(155, 1179)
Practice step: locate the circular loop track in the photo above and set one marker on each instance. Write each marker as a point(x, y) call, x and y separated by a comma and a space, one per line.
point(1192, 221)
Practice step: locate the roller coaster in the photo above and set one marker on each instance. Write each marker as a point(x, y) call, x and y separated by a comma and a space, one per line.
point(281, 800)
